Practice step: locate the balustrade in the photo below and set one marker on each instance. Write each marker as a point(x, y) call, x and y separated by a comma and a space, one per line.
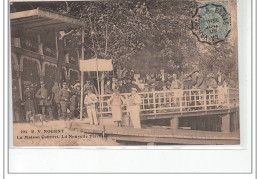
point(177, 101)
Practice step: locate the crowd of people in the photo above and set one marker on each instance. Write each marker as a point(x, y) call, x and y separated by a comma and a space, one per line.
point(162, 81)
point(62, 102)
point(59, 102)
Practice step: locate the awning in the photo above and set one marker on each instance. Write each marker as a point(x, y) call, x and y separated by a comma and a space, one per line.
point(95, 65)
point(42, 20)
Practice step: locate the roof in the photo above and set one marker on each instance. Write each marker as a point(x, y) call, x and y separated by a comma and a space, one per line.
point(40, 20)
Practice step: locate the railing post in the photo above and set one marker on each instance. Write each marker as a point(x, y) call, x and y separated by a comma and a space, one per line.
point(215, 97)
point(154, 103)
point(205, 100)
point(228, 98)
point(181, 96)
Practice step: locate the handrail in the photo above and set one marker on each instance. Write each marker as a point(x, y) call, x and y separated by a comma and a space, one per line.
point(172, 101)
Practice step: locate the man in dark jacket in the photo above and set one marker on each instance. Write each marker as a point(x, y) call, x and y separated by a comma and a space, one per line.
point(45, 100)
point(42, 95)
point(73, 103)
point(88, 86)
point(64, 100)
point(29, 103)
point(134, 85)
point(108, 88)
point(56, 99)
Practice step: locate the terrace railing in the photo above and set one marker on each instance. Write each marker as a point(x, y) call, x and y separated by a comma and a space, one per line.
point(177, 101)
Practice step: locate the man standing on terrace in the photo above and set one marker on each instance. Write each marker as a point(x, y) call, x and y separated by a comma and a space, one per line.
point(134, 103)
point(90, 102)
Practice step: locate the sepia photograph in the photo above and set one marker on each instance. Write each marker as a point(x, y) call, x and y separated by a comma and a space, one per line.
point(124, 73)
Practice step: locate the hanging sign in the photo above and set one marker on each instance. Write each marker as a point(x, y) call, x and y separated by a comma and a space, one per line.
point(95, 65)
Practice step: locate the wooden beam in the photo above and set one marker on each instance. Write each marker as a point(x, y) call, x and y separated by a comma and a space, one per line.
point(46, 14)
point(28, 20)
point(63, 18)
point(185, 114)
point(45, 24)
point(174, 140)
point(51, 28)
point(156, 132)
point(23, 14)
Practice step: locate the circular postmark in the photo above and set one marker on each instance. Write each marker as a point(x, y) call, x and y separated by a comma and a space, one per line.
point(211, 23)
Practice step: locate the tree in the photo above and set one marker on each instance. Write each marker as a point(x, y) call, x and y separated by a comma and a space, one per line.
point(146, 34)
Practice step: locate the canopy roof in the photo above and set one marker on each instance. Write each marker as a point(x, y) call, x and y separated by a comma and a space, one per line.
point(42, 20)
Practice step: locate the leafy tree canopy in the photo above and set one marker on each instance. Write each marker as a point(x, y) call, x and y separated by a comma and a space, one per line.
point(145, 35)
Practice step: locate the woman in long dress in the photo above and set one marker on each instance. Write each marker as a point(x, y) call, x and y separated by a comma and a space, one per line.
point(116, 101)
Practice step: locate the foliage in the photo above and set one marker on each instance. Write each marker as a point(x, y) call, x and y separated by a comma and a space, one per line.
point(146, 35)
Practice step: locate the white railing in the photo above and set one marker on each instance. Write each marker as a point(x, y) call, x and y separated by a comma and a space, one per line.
point(177, 101)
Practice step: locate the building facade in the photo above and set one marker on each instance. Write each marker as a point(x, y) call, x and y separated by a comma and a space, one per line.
point(34, 49)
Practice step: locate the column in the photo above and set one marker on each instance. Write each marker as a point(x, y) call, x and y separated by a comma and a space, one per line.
point(225, 127)
point(175, 123)
point(56, 44)
point(40, 45)
point(82, 74)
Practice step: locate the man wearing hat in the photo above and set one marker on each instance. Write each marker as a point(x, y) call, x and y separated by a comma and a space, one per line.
point(114, 84)
point(76, 84)
point(73, 103)
point(29, 103)
point(89, 86)
point(176, 84)
point(134, 103)
point(64, 99)
point(134, 85)
point(56, 98)
point(108, 88)
point(90, 102)
point(196, 79)
point(158, 84)
point(124, 87)
point(42, 95)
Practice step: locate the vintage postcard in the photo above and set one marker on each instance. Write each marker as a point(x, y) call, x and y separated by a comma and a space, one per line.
point(142, 72)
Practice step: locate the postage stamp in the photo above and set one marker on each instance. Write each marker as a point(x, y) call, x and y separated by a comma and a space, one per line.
point(211, 23)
